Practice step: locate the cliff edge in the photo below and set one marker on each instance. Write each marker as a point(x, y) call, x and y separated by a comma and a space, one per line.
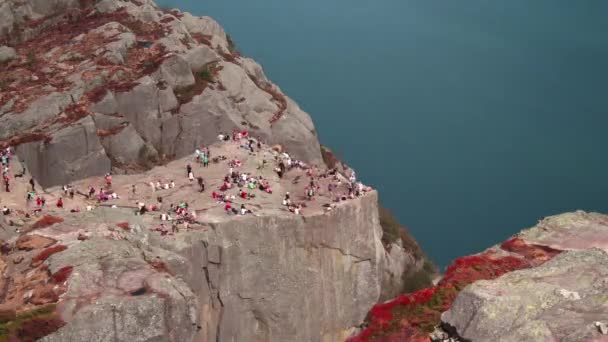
point(547, 283)
point(95, 87)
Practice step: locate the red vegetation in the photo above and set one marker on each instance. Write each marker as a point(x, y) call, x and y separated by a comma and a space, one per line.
point(202, 38)
point(124, 225)
point(160, 266)
point(62, 275)
point(75, 112)
point(46, 221)
point(25, 138)
point(529, 251)
point(108, 132)
point(45, 254)
point(277, 96)
point(36, 328)
point(412, 316)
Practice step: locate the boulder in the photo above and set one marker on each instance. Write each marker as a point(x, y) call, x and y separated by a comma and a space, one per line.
point(30, 242)
point(73, 153)
point(127, 147)
point(200, 56)
point(530, 305)
point(7, 53)
point(176, 73)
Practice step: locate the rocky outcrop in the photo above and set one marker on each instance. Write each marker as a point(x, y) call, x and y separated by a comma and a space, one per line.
point(271, 275)
point(173, 79)
point(558, 301)
point(548, 283)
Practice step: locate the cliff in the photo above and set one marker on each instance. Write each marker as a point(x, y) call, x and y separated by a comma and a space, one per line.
point(548, 283)
point(90, 87)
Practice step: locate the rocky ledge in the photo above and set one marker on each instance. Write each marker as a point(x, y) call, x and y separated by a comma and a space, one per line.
point(548, 283)
point(93, 270)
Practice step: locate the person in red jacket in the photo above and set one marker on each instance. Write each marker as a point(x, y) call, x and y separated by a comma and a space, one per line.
point(60, 203)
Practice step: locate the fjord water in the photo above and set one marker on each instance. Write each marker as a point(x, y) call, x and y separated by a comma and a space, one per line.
point(474, 119)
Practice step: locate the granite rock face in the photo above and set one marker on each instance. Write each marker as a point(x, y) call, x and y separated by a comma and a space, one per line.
point(269, 276)
point(174, 79)
point(547, 283)
point(561, 300)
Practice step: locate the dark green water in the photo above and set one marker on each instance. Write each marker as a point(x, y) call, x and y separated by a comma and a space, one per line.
point(473, 118)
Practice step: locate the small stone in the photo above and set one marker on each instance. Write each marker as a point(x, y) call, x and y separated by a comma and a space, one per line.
point(7, 53)
point(602, 328)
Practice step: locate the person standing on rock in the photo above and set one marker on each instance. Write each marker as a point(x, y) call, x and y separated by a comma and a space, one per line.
point(201, 184)
point(6, 183)
point(108, 180)
point(188, 170)
point(190, 176)
point(33, 184)
point(60, 203)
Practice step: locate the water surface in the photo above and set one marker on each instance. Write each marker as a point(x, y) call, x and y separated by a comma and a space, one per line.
point(473, 118)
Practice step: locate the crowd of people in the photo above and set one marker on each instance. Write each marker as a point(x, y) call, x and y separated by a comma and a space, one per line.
point(234, 191)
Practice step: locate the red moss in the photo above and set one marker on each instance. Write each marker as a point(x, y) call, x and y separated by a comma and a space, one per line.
point(277, 96)
point(124, 226)
point(108, 132)
point(45, 254)
point(202, 38)
point(46, 221)
point(160, 266)
point(532, 252)
point(62, 275)
point(412, 316)
point(75, 112)
point(25, 138)
point(36, 328)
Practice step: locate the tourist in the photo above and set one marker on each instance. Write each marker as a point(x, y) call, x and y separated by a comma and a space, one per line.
point(5, 210)
point(60, 203)
point(201, 184)
point(188, 170)
point(286, 200)
point(191, 176)
point(108, 180)
point(32, 184)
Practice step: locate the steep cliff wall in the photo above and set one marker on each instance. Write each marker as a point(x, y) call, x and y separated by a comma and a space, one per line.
point(249, 279)
point(90, 86)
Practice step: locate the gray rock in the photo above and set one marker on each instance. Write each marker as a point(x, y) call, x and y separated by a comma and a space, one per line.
point(175, 71)
point(530, 305)
point(73, 153)
point(7, 53)
point(200, 56)
point(127, 147)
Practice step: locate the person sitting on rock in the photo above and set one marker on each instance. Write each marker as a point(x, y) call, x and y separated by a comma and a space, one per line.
point(60, 203)
point(91, 192)
point(5, 210)
point(286, 199)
